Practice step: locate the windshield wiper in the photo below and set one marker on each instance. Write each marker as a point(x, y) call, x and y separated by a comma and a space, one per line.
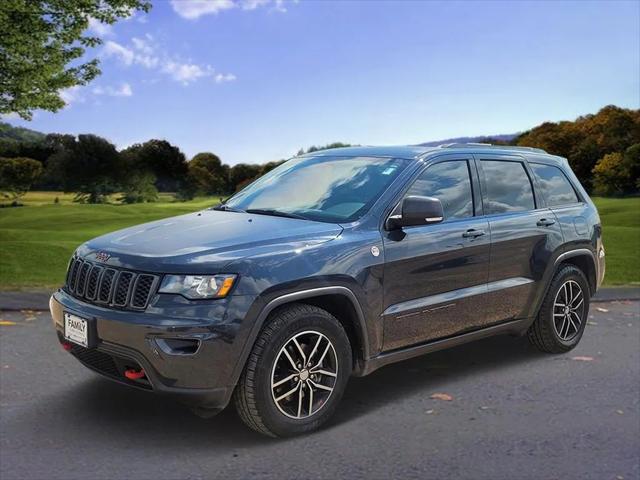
point(275, 213)
point(226, 208)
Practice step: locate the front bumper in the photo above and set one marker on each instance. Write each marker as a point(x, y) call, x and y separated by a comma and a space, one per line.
point(204, 376)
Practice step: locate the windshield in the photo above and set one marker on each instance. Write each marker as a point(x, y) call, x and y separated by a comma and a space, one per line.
point(327, 189)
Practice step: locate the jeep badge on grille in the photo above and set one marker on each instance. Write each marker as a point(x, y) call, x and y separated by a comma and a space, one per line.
point(103, 256)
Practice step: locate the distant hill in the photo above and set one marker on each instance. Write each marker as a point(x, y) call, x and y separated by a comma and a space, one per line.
point(506, 138)
point(19, 134)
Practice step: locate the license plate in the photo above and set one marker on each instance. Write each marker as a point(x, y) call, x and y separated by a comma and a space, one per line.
point(76, 329)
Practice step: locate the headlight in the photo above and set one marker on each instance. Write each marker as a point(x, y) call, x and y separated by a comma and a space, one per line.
point(198, 286)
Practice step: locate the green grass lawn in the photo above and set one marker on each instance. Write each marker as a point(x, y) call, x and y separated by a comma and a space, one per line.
point(37, 240)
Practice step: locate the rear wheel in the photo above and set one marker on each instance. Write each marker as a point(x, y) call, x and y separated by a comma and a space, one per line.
point(564, 312)
point(296, 372)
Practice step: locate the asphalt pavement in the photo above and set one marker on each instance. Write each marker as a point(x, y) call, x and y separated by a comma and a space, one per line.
point(504, 411)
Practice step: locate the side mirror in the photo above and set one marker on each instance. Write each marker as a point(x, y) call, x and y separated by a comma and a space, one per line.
point(416, 211)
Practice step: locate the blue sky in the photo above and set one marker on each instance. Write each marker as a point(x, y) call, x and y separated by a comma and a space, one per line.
point(255, 80)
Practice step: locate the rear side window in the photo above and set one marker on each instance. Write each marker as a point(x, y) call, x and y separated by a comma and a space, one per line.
point(451, 184)
point(554, 185)
point(508, 187)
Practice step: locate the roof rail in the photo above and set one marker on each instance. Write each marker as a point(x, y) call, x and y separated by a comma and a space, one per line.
point(489, 145)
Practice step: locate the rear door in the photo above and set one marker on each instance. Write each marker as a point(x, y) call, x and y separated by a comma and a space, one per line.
point(435, 275)
point(524, 235)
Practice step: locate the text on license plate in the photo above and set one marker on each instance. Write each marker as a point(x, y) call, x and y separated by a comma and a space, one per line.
point(76, 329)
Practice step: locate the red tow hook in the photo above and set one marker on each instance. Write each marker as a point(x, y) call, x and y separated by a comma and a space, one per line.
point(67, 346)
point(132, 374)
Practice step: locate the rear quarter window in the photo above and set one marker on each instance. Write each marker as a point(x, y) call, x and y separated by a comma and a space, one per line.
point(554, 185)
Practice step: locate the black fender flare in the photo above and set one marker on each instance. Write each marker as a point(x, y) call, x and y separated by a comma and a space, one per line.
point(361, 327)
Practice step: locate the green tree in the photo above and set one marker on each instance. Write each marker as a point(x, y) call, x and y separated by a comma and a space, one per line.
point(165, 161)
point(267, 167)
point(209, 174)
point(17, 175)
point(41, 46)
point(88, 165)
point(138, 187)
point(243, 173)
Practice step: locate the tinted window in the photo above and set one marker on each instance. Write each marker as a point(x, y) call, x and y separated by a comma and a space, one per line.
point(555, 187)
point(451, 184)
point(508, 188)
point(329, 189)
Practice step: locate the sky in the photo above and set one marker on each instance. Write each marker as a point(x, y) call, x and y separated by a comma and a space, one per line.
point(255, 80)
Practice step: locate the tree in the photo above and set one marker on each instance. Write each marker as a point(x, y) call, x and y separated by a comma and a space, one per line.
point(41, 45)
point(588, 139)
point(138, 187)
point(17, 175)
point(208, 173)
point(313, 148)
point(241, 174)
point(165, 161)
point(618, 173)
point(88, 165)
point(267, 167)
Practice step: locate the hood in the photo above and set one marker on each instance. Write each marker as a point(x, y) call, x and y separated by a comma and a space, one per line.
point(207, 238)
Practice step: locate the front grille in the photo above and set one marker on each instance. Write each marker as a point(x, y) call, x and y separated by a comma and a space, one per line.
point(117, 288)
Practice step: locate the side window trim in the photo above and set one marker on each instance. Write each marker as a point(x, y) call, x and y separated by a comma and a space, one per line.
point(537, 200)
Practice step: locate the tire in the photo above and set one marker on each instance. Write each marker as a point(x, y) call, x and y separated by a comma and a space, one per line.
point(320, 337)
point(554, 330)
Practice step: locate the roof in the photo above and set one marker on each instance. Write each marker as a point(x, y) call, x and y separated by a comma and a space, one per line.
point(416, 152)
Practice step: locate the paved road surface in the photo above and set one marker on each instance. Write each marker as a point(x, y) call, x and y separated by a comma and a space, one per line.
point(515, 414)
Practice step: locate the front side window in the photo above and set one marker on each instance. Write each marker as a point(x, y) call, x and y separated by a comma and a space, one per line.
point(326, 189)
point(508, 187)
point(554, 185)
point(451, 184)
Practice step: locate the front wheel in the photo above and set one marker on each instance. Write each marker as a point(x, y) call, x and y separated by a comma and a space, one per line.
point(296, 372)
point(563, 316)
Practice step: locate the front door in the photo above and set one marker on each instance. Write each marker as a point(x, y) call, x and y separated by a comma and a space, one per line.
point(435, 275)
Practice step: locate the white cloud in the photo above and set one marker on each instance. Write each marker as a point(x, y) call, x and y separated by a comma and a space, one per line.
point(253, 4)
point(124, 90)
point(144, 52)
point(193, 9)
point(224, 77)
point(99, 28)
point(71, 95)
point(185, 73)
point(113, 49)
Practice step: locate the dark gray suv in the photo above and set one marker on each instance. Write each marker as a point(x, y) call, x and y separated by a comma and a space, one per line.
point(335, 264)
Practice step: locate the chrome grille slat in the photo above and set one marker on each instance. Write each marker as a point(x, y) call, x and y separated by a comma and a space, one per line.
point(117, 288)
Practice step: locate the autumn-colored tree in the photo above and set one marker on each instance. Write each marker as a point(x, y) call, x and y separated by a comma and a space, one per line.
point(588, 139)
point(618, 173)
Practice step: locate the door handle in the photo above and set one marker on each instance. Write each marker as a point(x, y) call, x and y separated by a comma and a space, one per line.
point(543, 222)
point(473, 233)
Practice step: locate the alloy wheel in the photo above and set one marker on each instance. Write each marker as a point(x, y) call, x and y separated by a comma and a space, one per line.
point(568, 310)
point(304, 374)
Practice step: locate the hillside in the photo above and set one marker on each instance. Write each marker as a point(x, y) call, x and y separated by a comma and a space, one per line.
point(19, 134)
